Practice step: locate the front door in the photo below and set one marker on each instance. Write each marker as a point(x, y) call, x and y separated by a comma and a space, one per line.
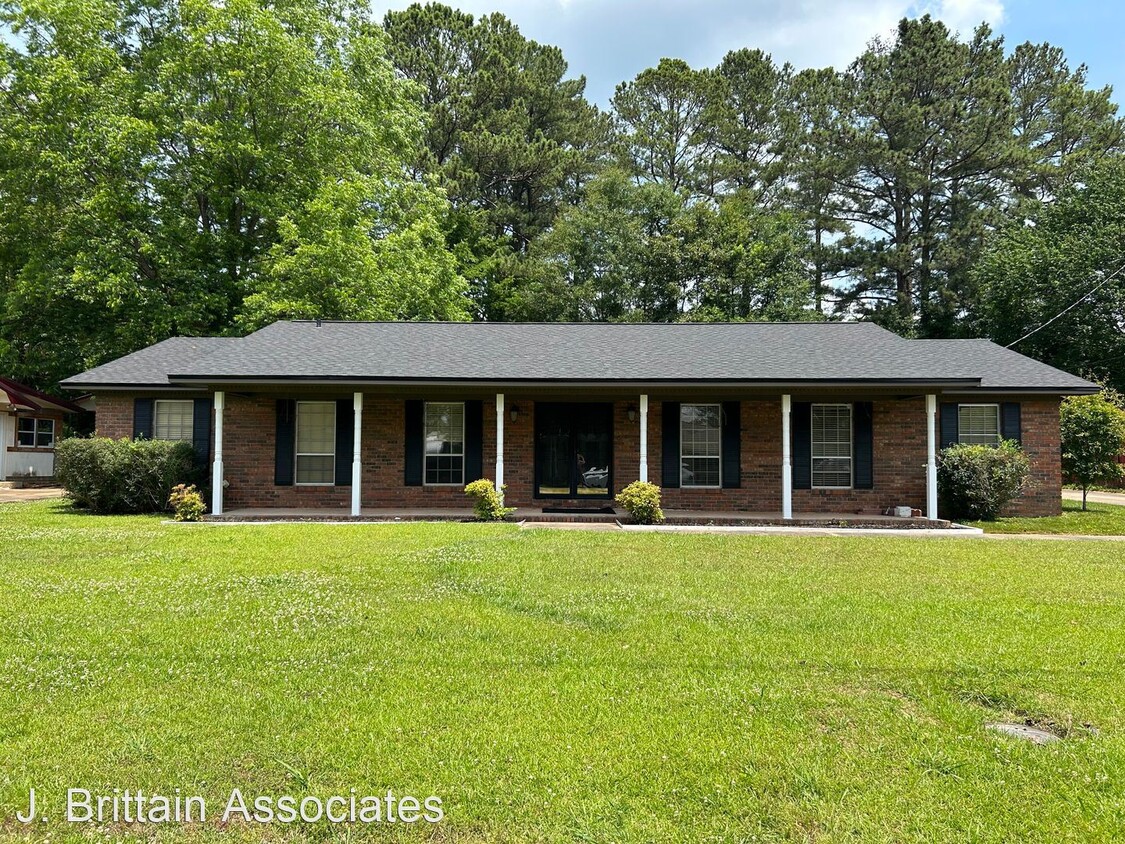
point(573, 450)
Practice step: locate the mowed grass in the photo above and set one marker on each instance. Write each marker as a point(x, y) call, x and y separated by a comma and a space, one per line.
point(565, 685)
point(1096, 520)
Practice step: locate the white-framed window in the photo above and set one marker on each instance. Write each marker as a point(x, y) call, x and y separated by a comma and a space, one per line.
point(316, 443)
point(978, 424)
point(173, 420)
point(445, 443)
point(35, 433)
point(700, 445)
point(832, 446)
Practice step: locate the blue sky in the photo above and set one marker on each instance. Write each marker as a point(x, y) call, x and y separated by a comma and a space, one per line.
point(609, 41)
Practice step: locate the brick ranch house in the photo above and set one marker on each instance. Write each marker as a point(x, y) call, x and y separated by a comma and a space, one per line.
point(778, 418)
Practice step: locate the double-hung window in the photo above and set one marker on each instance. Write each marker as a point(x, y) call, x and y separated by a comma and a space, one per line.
point(445, 443)
point(700, 445)
point(832, 446)
point(978, 424)
point(172, 420)
point(35, 433)
point(316, 443)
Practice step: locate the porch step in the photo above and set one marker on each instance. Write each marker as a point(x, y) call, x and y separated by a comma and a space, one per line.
point(566, 518)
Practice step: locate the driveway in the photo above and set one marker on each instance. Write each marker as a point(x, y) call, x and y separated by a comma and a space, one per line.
point(7, 495)
point(1095, 496)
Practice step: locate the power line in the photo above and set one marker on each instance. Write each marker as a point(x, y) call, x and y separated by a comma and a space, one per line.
point(1072, 305)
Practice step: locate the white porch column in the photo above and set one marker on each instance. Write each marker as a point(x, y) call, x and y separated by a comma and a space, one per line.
point(217, 466)
point(500, 443)
point(931, 457)
point(644, 437)
point(786, 459)
point(357, 460)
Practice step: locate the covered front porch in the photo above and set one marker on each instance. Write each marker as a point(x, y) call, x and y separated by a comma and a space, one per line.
point(571, 450)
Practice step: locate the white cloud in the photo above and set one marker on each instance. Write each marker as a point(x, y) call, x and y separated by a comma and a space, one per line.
point(610, 41)
point(966, 15)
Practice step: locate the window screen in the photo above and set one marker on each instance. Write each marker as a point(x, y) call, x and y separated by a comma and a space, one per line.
point(832, 445)
point(316, 442)
point(700, 434)
point(172, 420)
point(35, 433)
point(978, 424)
point(445, 442)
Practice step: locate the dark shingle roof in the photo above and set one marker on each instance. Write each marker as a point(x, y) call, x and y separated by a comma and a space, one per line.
point(998, 367)
point(152, 365)
point(523, 352)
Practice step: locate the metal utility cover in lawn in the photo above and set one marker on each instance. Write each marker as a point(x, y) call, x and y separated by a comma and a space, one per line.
point(1022, 731)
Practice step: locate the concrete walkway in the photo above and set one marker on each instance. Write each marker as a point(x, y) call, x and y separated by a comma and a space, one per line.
point(1095, 496)
point(9, 495)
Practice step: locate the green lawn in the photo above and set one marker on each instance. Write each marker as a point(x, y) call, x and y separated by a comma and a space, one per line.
point(1098, 520)
point(565, 685)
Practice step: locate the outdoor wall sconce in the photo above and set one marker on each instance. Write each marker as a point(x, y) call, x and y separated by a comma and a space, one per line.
point(632, 412)
point(514, 413)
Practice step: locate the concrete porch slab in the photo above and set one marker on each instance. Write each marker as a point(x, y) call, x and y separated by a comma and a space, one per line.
point(529, 516)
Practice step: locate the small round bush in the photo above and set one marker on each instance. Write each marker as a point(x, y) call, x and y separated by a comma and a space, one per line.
point(187, 503)
point(488, 504)
point(976, 482)
point(642, 501)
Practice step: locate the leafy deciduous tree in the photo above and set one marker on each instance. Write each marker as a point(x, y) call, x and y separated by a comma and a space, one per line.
point(1093, 437)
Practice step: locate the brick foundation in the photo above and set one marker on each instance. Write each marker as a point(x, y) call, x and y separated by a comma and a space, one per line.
point(899, 457)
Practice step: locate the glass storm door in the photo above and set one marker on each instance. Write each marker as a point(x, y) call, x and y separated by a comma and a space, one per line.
point(573, 450)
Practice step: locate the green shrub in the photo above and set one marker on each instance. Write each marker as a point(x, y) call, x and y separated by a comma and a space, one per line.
point(187, 503)
point(976, 482)
point(123, 476)
point(488, 504)
point(642, 501)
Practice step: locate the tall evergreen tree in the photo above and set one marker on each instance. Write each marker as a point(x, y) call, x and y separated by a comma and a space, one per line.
point(510, 138)
point(930, 121)
point(1061, 125)
point(665, 132)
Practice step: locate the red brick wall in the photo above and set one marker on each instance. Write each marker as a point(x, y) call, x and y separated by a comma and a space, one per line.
point(114, 415)
point(1039, 429)
point(899, 458)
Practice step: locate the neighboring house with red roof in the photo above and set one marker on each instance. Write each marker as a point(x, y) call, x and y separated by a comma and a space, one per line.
point(31, 423)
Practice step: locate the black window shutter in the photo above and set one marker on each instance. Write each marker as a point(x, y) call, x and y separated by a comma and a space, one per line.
point(1010, 421)
point(143, 410)
point(800, 423)
point(474, 441)
point(345, 441)
point(285, 442)
point(863, 450)
point(670, 445)
point(413, 459)
point(948, 425)
point(732, 444)
point(201, 429)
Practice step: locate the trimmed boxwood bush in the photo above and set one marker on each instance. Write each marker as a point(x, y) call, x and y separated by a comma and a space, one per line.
point(488, 504)
point(976, 482)
point(123, 476)
point(642, 501)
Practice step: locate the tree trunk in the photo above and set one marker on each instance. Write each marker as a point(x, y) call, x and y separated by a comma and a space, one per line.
point(1083, 499)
